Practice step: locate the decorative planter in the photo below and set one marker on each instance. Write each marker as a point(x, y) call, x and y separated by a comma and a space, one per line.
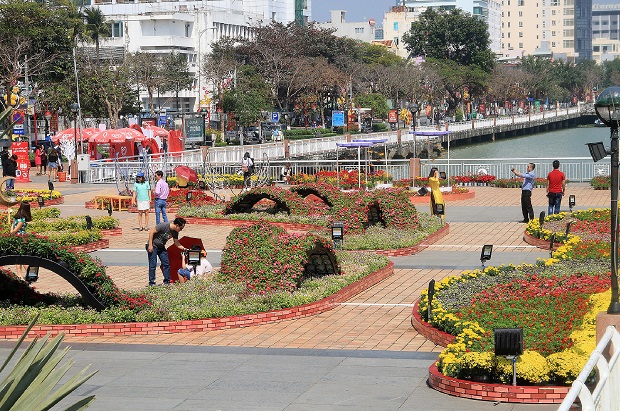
point(62, 176)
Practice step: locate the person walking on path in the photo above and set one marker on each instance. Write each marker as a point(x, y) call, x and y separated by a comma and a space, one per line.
point(43, 160)
point(37, 160)
point(161, 196)
point(20, 222)
point(142, 199)
point(526, 191)
point(246, 166)
point(53, 164)
point(556, 186)
point(156, 246)
point(11, 171)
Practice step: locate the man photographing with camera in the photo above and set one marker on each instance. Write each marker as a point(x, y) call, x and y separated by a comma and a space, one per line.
point(526, 191)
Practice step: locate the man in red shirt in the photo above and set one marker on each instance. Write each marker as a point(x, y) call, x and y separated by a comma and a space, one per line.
point(556, 185)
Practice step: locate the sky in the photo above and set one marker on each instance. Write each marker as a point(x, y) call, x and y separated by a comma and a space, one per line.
point(357, 10)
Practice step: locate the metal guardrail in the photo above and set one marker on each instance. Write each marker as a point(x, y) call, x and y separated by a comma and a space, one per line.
point(576, 169)
point(606, 395)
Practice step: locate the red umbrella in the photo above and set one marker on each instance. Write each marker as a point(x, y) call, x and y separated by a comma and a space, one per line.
point(108, 136)
point(185, 174)
point(132, 134)
point(157, 131)
point(69, 133)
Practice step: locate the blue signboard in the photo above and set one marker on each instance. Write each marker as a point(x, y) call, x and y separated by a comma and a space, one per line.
point(337, 118)
point(162, 120)
point(18, 129)
point(275, 116)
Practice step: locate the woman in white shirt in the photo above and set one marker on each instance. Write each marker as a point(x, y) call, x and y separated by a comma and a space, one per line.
point(246, 167)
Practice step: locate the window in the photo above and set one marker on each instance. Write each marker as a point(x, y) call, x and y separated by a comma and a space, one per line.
point(569, 2)
point(569, 44)
point(569, 33)
point(520, 24)
point(520, 45)
point(509, 24)
point(187, 30)
point(553, 22)
point(554, 3)
point(520, 34)
point(553, 34)
point(117, 29)
point(521, 3)
point(553, 44)
point(569, 12)
point(520, 14)
point(477, 11)
point(509, 13)
point(395, 26)
point(596, 49)
point(553, 12)
point(359, 30)
point(508, 34)
point(569, 22)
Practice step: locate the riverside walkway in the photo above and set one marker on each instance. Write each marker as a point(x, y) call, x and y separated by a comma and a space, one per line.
point(363, 354)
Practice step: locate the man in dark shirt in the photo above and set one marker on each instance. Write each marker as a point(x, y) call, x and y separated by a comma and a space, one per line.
point(156, 246)
point(4, 157)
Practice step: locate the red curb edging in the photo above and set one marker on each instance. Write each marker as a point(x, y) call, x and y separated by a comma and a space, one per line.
point(528, 394)
point(537, 242)
point(90, 247)
point(35, 204)
point(431, 333)
point(446, 196)
point(207, 324)
point(422, 245)
point(112, 232)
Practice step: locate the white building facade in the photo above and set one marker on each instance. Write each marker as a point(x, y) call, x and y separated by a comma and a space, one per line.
point(363, 31)
point(188, 28)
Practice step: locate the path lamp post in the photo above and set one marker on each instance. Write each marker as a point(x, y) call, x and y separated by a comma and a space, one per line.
point(74, 174)
point(608, 111)
point(414, 108)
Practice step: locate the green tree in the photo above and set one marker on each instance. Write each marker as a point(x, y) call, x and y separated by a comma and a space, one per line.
point(96, 26)
point(147, 72)
point(376, 102)
point(454, 36)
point(249, 98)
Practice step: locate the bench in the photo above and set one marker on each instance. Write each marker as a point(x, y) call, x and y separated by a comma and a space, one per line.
point(118, 202)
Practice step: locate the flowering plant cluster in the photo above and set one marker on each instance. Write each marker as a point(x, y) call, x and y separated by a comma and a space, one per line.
point(15, 290)
point(283, 258)
point(347, 179)
point(232, 180)
point(593, 224)
point(178, 197)
point(30, 195)
point(550, 307)
point(601, 182)
point(89, 270)
point(287, 199)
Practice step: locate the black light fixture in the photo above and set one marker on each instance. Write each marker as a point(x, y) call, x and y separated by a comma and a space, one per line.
point(568, 229)
point(442, 175)
point(32, 274)
point(40, 200)
point(485, 255)
point(431, 295)
point(439, 209)
point(188, 196)
point(50, 186)
point(551, 241)
point(509, 343)
point(541, 219)
point(597, 151)
point(422, 191)
point(571, 202)
point(89, 222)
point(338, 233)
point(110, 209)
point(607, 109)
point(201, 185)
point(193, 257)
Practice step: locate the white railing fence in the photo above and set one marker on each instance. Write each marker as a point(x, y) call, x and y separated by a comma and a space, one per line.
point(579, 169)
point(606, 395)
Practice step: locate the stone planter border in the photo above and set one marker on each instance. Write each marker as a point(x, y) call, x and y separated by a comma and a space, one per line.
point(207, 324)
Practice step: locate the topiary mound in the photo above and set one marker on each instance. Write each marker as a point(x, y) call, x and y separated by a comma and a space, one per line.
point(328, 193)
point(265, 258)
point(89, 270)
point(285, 200)
point(15, 290)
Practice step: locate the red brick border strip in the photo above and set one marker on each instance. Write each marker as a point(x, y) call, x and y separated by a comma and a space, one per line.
point(34, 204)
point(207, 324)
point(431, 333)
point(537, 242)
point(112, 232)
point(90, 247)
point(495, 392)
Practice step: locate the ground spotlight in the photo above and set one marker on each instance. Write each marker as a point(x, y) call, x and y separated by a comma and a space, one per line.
point(439, 209)
point(41, 201)
point(188, 196)
point(571, 202)
point(338, 233)
point(89, 222)
point(485, 255)
point(32, 274)
point(110, 209)
point(509, 342)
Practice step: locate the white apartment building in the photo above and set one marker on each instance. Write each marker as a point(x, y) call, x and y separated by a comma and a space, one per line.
point(558, 28)
point(188, 28)
point(605, 32)
point(363, 31)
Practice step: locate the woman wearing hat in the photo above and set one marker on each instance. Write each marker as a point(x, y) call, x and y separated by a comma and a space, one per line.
point(142, 199)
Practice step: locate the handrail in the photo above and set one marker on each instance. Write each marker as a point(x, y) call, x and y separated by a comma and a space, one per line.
point(606, 396)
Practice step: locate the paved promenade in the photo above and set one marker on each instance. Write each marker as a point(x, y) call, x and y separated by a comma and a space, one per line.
point(362, 355)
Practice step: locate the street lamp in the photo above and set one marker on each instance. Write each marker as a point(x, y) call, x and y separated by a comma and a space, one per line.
point(414, 110)
point(608, 111)
point(48, 123)
point(75, 107)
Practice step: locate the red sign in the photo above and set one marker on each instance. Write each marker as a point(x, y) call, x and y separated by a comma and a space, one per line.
point(393, 116)
point(23, 161)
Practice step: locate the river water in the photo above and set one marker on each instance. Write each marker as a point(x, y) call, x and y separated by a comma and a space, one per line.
point(569, 142)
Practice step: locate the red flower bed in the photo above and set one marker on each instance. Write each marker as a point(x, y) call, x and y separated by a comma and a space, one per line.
point(178, 197)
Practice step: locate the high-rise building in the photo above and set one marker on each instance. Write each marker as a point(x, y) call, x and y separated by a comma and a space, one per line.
point(561, 29)
point(605, 32)
point(188, 28)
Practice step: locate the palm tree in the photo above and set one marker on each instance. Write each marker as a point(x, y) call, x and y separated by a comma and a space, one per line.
point(96, 26)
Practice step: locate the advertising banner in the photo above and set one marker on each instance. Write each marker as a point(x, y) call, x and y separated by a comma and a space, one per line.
point(393, 116)
point(20, 148)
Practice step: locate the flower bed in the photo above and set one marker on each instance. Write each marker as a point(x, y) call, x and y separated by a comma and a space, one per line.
point(548, 302)
point(31, 196)
point(517, 182)
point(601, 183)
point(344, 179)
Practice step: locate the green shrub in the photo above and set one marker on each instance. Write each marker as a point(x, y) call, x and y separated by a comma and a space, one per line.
point(379, 127)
